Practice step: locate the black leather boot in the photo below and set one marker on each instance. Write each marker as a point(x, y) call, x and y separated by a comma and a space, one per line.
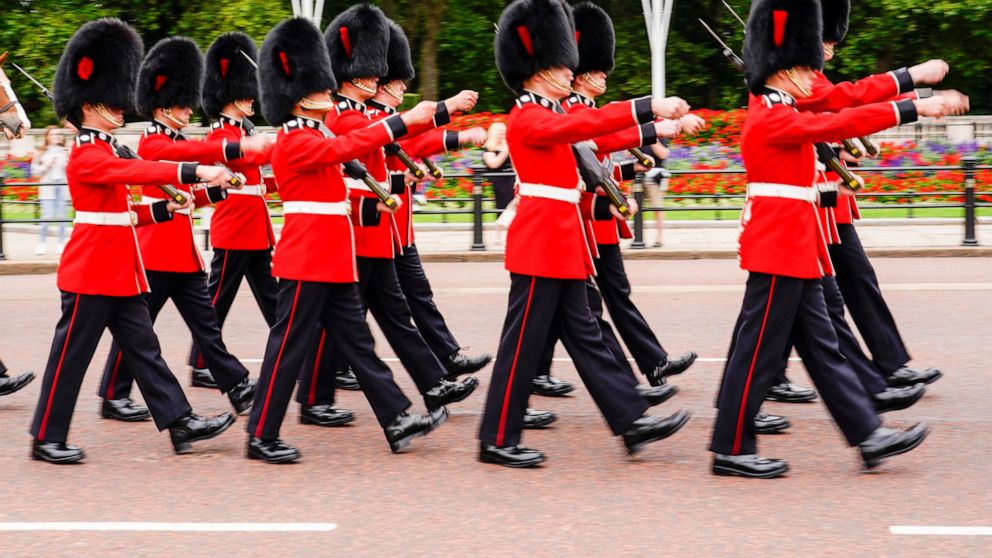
point(124, 410)
point(751, 466)
point(897, 398)
point(10, 384)
point(549, 386)
point(656, 395)
point(201, 377)
point(271, 451)
point(447, 392)
point(538, 419)
point(649, 429)
point(243, 395)
point(670, 367)
point(194, 428)
point(346, 380)
point(406, 427)
point(887, 442)
point(457, 363)
point(325, 415)
point(517, 457)
point(58, 453)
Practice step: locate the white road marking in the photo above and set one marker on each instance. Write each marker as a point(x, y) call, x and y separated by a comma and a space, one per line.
point(161, 526)
point(940, 530)
point(735, 288)
point(556, 359)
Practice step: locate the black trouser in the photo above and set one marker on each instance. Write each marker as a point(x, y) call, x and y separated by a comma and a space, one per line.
point(301, 308)
point(633, 328)
point(533, 303)
point(776, 308)
point(609, 337)
point(859, 285)
point(226, 271)
point(417, 290)
point(84, 317)
point(188, 292)
point(381, 294)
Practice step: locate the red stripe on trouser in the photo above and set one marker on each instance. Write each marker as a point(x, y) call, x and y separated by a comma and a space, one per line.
point(58, 369)
point(750, 372)
point(275, 368)
point(513, 369)
point(200, 363)
point(316, 368)
point(113, 375)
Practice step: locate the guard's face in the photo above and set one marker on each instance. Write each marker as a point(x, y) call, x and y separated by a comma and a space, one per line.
point(562, 74)
point(182, 115)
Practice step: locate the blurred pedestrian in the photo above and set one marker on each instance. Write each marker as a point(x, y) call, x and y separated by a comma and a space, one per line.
point(655, 186)
point(53, 194)
point(497, 159)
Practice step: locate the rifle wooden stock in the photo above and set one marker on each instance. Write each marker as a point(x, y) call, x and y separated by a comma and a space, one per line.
point(870, 146)
point(643, 159)
point(174, 194)
point(414, 168)
point(432, 168)
point(852, 148)
point(826, 156)
point(356, 170)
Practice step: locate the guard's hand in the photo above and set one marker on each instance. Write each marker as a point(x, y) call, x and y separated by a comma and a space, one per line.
point(669, 107)
point(692, 124)
point(383, 208)
point(473, 136)
point(261, 142)
point(929, 72)
point(847, 157)
point(214, 176)
point(936, 106)
point(960, 103)
point(173, 207)
point(462, 102)
point(667, 128)
point(422, 113)
point(634, 208)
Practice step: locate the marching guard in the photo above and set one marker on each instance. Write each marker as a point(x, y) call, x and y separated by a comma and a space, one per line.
point(101, 275)
point(547, 252)
point(315, 256)
point(169, 85)
point(240, 227)
point(783, 245)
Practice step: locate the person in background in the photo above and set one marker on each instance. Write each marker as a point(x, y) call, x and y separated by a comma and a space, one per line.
point(49, 165)
point(655, 186)
point(497, 159)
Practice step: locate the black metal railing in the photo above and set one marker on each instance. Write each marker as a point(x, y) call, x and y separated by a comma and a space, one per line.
point(478, 206)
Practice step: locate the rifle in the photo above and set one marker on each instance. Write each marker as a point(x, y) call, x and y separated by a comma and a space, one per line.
point(823, 151)
point(593, 174)
point(123, 150)
point(395, 149)
point(643, 159)
point(849, 145)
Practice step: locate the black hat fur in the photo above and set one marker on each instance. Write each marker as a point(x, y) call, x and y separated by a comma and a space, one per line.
point(802, 39)
point(170, 76)
point(358, 42)
point(835, 19)
point(229, 76)
point(292, 64)
point(549, 25)
point(99, 66)
point(597, 39)
point(399, 61)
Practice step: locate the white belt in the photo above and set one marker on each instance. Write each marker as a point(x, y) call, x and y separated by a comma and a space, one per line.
point(149, 200)
point(257, 190)
point(789, 191)
point(568, 195)
point(315, 208)
point(357, 184)
point(121, 219)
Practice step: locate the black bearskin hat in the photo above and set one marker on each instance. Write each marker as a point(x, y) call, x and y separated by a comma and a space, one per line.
point(358, 41)
point(835, 16)
point(99, 66)
point(597, 40)
point(229, 75)
point(293, 63)
point(782, 34)
point(399, 61)
point(170, 76)
point(534, 35)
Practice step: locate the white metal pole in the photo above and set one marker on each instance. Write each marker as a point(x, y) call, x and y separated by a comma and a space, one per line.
point(296, 8)
point(318, 13)
point(646, 8)
point(657, 51)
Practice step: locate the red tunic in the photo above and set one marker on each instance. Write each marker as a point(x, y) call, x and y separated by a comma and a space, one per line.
point(307, 165)
point(104, 259)
point(242, 221)
point(172, 247)
point(779, 235)
point(547, 237)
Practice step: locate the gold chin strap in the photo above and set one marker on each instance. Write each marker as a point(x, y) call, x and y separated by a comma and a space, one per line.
point(105, 114)
point(246, 108)
point(167, 113)
point(794, 78)
point(393, 93)
point(828, 50)
point(359, 84)
point(555, 82)
point(310, 104)
point(597, 84)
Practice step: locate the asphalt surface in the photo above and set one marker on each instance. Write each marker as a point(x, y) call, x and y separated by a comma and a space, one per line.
point(588, 500)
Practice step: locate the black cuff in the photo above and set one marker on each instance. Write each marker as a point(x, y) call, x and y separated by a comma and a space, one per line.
point(907, 111)
point(232, 151)
point(187, 173)
point(649, 136)
point(396, 126)
point(160, 212)
point(642, 110)
point(397, 184)
point(924, 92)
point(450, 140)
point(627, 171)
point(216, 194)
point(837, 150)
point(601, 209)
point(905, 80)
point(441, 116)
point(369, 214)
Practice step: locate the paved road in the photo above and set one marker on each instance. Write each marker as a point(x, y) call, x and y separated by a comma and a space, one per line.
point(588, 500)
